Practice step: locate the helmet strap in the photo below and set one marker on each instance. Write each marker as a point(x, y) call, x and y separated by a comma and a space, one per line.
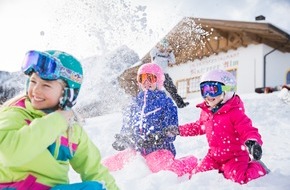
point(219, 104)
point(68, 99)
point(217, 107)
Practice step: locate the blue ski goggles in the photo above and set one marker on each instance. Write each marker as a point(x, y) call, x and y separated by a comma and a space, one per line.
point(213, 89)
point(48, 67)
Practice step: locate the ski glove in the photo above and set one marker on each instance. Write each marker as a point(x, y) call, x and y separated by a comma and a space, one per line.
point(151, 140)
point(122, 142)
point(171, 131)
point(254, 149)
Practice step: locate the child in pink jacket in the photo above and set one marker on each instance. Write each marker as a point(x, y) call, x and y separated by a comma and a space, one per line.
point(234, 144)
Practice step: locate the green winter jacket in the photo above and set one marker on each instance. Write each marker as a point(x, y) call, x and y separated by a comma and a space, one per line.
point(38, 144)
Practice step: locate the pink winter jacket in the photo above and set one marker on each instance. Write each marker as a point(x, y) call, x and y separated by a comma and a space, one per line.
point(226, 131)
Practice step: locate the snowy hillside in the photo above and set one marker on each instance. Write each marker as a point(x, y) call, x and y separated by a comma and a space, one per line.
point(270, 115)
point(11, 84)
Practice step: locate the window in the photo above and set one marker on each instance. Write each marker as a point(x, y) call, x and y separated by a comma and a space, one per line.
point(193, 84)
point(182, 88)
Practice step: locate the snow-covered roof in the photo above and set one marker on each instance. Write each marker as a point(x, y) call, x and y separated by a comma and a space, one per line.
point(195, 38)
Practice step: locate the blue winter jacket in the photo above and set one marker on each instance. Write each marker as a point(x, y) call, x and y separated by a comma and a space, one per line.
point(150, 112)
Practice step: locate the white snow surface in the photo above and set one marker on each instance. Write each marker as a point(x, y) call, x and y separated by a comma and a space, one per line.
point(268, 113)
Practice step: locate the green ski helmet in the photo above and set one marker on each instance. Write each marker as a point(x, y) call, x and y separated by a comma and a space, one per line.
point(71, 63)
point(53, 65)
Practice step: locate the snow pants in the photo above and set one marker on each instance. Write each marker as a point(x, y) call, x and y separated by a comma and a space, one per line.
point(28, 183)
point(239, 169)
point(88, 185)
point(156, 161)
point(31, 184)
point(164, 160)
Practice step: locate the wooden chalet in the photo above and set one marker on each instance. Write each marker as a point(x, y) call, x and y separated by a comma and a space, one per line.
point(197, 38)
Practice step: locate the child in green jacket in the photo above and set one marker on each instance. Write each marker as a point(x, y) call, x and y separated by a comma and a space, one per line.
point(40, 136)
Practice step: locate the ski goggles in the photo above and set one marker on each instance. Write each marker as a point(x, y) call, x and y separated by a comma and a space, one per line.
point(147, 77)
point(213, 89)
point(48, 67)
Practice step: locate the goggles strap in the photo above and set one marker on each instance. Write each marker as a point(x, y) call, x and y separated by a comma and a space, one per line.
point(48, 67)
point(70, 75)
point(228, 88)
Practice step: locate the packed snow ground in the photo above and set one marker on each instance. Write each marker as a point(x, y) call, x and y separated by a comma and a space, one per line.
point(268, 113)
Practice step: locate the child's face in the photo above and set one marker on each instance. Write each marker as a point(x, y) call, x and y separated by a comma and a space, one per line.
point(44, 94)
point(162, 49)
point(148, 85)
point(213, 101)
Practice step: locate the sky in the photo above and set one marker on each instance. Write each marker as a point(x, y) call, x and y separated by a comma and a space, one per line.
point(91, 27)
point(267, 112)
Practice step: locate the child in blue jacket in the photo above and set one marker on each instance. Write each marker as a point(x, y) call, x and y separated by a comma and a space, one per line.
point(144, 127)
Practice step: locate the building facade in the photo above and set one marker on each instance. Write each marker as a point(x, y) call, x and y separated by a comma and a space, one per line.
point(257, 53)
point(247, 64)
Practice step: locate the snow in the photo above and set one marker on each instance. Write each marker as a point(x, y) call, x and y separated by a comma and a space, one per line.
point(268, 113)
point(77, 20)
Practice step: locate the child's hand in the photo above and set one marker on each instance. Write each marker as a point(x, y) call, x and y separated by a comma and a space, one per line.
point(151, 140)
point(67, 114)
point(171, 131)
point(155, 138)
point(254, 149)
point(122, 142)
